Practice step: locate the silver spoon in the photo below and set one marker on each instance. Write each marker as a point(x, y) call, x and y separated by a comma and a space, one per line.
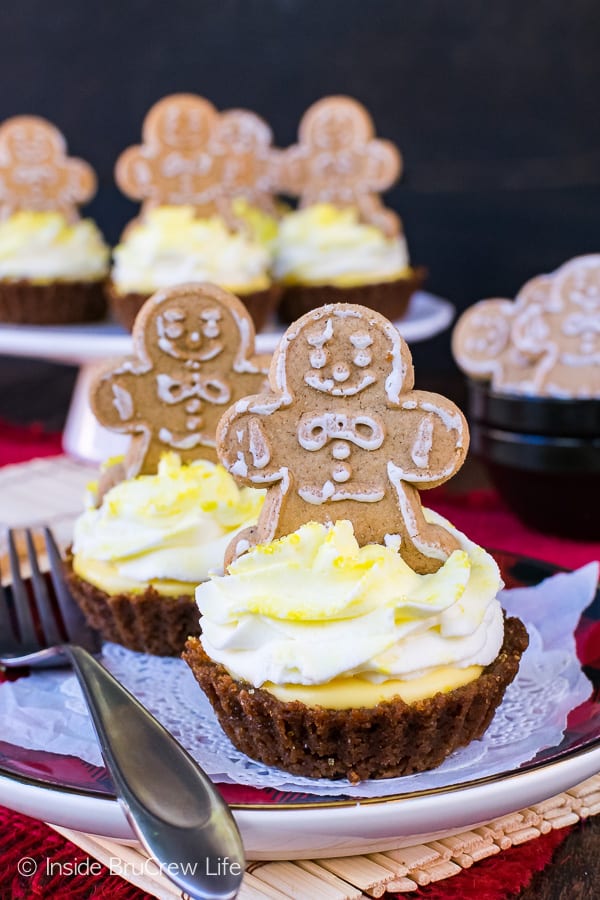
point(171, 804)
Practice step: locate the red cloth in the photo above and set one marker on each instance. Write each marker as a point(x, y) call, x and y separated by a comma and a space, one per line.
point(19, 443)
point(496, 877)
point(24, 843)
point(483, 517)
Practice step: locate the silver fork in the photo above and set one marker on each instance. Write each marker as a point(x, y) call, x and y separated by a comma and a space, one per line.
point(175, 810)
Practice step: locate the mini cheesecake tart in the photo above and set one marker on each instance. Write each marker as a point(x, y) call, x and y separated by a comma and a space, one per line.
point(328, 659)
point(140, 551)
point(171, 246)
point(149, 621)
point(390, 298)
point(327, 255)
point(52, 271)
point(389, 739)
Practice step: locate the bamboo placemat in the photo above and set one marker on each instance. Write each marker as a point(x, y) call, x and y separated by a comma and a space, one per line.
point(354, 877)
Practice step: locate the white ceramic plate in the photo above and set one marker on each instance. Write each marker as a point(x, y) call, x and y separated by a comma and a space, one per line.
point(79, 344)
point(276, 825)
point(339, 829)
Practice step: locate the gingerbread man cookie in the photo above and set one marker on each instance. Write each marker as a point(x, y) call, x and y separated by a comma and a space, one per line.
point(193, 356)
point(193, 155)
point(341, 434)
point(35, 172)
point(562, 330)
point(546, 343)
point(482, 346)
point(338, 160)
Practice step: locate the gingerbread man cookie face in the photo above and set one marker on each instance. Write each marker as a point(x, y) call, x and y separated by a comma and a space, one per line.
point(193, 356)
point(35, 172)
point(481, 337)
point(193, 336)
point(343, 435)
point(482, 346)
point(193, 155)
point(339, 361)
point(339, 161)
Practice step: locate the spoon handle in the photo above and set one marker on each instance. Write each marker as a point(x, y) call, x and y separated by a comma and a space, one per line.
point(172, 805)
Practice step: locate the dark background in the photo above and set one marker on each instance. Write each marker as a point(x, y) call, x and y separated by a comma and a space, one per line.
point(494, 106)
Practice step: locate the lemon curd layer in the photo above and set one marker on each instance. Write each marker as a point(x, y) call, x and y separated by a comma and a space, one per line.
point(107, 577)
point(324, 245)
point(315, 616)
point(171, 245)
point(168, 530)
point(355, 692)
point(43, 247)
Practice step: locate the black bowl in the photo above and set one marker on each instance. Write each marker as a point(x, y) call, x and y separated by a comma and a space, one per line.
point(533, 415)
point(551, 483)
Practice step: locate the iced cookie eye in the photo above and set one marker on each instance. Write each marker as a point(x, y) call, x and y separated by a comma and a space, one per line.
point(361, 341)
point(362, 358)
point(174, 330)
point(211, 327)
point(211, 330)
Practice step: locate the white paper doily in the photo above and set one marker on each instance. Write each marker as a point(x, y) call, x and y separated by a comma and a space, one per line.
point(46, 711)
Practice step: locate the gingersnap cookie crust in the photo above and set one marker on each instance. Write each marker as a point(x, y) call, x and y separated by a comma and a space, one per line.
point(147, 622)
point(125, 306)
point(57, 303)
point(388, 740)
point(390, 298)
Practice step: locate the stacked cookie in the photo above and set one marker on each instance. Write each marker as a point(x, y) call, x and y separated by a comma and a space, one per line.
point(534, 365)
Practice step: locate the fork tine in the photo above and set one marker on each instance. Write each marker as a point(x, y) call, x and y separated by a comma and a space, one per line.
point(27, 631)
point(78, 630)
point(8, 638)
point(41, 597)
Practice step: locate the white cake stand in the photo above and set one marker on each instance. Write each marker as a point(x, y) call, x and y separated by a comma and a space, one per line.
point(87, 345)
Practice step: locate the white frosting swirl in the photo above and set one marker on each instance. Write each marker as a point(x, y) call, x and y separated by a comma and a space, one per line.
point(325, 245)
point(171, 246)
point(43, 247)
point(315, 606)
point(174, 525)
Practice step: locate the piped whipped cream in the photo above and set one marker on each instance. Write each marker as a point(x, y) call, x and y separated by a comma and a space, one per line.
point(167, 529)
point(43, 247)
point(313, 608)
point(170, 246)
point(322, 244)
